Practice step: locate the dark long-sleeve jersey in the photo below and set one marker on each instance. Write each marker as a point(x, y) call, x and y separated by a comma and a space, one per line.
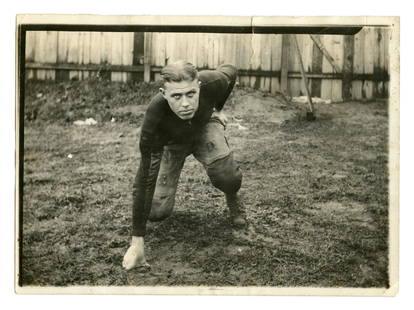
point(162, 126)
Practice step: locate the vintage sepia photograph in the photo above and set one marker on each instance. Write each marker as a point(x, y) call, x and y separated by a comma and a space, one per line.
point(207, 155)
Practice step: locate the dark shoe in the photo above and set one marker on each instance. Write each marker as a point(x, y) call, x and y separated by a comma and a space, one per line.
point(237, 212)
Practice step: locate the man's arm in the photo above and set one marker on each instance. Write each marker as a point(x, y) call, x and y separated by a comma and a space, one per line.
point(151, 149)
point(227, 81)
point(144, 185)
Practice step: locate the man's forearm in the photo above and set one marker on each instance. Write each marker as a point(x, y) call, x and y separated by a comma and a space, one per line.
point(143, 191)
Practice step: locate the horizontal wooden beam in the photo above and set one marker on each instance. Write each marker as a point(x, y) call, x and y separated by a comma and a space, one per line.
point(85, 67)
point(380, 76)
point(339, 30)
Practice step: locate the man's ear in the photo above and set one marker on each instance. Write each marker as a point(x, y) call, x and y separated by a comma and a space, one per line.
point(162, 91)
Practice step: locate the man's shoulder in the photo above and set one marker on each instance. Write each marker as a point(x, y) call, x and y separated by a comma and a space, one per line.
point(156, 104)
point(223, 72)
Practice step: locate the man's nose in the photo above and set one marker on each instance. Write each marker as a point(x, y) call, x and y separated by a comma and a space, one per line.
point(185, 102)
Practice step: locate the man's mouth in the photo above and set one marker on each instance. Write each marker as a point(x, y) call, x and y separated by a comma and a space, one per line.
point(186, 112)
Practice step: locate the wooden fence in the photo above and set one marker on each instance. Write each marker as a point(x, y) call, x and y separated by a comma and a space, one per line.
point(339, 67)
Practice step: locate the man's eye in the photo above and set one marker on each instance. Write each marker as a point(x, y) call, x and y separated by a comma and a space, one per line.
point(176, 97)
point(190, 95)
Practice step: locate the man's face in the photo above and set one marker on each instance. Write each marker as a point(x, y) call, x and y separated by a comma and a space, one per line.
point(182, 97)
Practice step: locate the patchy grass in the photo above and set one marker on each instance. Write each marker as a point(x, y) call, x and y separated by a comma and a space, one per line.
point(316, 195)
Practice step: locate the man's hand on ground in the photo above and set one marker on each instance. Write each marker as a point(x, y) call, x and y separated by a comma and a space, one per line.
point(221, 116)
point(135, 256)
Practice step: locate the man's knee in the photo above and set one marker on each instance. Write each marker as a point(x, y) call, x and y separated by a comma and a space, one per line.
point(161, 208)
point(225, 174)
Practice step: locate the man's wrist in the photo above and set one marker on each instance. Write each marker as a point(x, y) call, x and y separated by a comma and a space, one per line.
point(137, 241)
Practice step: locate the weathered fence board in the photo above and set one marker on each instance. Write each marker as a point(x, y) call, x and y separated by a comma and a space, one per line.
point(266, 61)
point(326, 86)
point(275, 47)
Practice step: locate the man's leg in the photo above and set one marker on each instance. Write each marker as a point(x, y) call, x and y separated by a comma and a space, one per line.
point(213, 151)
point(170, 169)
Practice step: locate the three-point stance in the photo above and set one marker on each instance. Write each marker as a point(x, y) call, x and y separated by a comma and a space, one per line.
point(184, 118)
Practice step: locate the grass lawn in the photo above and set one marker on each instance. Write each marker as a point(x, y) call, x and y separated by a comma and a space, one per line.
point(316, 195)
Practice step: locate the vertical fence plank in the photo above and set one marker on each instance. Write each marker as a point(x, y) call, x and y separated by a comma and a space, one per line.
point(347, 69)
point(338, 56)
point(305, 45)
point(155, 51)
point(317, 58)
point(138, 54)
point(276, 51)
point(266, 61)
point(95, 47)
point(379, 62)
point(294, 84)
point(30, 52)
point(358, 66)
point(216, 50)
point(202, 45)
point(153, 59)
point(30, 46)
point(368, 86)
point(128, 53)
point(116, 55)
point(244, 53)
point(222, 51)
point(229, 48)
point(86, 55)
point(106, 55)
point(51, 53)
point(285, 64)
point(387, 37)
point(254, 63)
point(73, 53)
point(40, 53)
point(147, 56)
point(195, 50)
point(326, 86)
point(95, 51)
point(182, 46)
point(172, 42)
point(62, 55)
point(160, 59)
point(80, 53)
point(209, 54)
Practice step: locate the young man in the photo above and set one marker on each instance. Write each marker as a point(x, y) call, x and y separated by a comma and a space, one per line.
point(184, 118)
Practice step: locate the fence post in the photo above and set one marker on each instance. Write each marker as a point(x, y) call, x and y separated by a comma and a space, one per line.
point(284, 64)
point(147, 56)
point(348, 67)
point(138, 54)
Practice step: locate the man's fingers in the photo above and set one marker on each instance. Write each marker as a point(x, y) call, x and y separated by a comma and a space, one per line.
point(134, 257)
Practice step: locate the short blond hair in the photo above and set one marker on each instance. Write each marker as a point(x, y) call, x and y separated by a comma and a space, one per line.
point(178, 71)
